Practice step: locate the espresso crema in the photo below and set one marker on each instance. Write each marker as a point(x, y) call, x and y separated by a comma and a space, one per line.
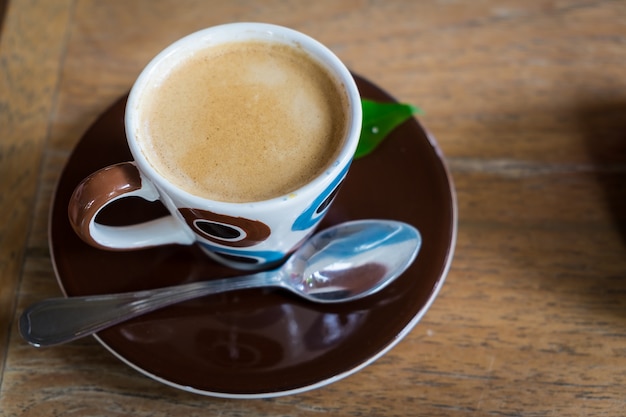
point(243, 121)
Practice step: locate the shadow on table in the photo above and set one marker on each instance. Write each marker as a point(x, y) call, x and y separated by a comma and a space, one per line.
point(604, 130)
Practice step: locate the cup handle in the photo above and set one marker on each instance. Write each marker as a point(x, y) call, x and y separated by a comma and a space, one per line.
point(108, 185)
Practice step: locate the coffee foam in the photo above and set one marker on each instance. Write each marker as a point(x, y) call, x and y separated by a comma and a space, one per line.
point(245, 121)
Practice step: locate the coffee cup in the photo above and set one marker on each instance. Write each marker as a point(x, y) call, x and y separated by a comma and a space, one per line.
point(244, 132)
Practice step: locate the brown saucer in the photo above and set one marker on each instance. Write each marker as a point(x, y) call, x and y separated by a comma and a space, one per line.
point(262, 343)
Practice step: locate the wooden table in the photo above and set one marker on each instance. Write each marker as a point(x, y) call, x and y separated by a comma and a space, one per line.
point(528, 102)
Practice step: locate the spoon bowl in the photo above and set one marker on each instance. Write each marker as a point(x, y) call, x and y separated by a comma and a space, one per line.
point(342, 263)
point(350, 261)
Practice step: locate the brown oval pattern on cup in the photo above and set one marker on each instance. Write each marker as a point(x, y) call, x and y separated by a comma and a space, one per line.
point(96, 191)
point(237, 232)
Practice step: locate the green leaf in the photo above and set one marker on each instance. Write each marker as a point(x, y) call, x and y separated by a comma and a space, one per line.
point(379, 119)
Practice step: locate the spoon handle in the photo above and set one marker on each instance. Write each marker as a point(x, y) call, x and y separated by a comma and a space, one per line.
point(59, 320)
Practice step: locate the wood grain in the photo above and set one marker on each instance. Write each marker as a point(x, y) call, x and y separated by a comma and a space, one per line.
point(31, 52)
point(528, 102)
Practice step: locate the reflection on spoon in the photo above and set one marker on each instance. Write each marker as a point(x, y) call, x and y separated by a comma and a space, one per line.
point(343, 263)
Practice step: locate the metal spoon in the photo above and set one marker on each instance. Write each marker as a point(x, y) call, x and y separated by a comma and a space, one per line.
point(342, 263)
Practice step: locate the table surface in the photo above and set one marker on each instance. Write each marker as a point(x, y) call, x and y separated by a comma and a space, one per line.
point(528, 103)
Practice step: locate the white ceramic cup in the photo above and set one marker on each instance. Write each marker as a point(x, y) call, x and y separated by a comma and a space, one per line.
point(257, 234)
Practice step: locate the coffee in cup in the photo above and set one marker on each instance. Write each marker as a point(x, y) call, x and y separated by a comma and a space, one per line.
point(243, 121)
